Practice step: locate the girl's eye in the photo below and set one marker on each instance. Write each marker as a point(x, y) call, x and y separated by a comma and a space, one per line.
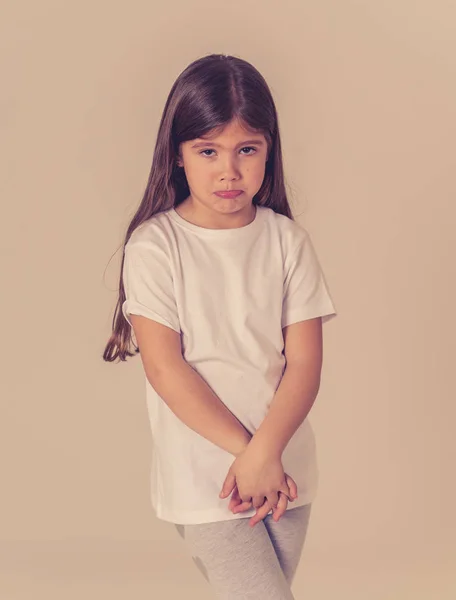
point(249, 148)
point(245, 148)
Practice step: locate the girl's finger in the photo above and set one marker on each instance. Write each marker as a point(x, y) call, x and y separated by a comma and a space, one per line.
point(292, 487)
point(261, 513)
point(281, 507)
point(228, 485)
point(258, 501)
point(273, 499)
point(236, 504)
point(241, 507)
point(285, 490)
point(235, 499)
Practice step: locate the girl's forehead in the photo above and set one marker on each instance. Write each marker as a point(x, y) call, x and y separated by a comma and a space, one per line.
point(234, 128)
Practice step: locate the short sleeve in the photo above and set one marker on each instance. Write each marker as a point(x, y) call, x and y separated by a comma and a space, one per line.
point(306, 294)
point(148, 285)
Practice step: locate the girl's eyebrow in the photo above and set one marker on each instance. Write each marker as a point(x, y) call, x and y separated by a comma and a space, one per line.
point(201, 144)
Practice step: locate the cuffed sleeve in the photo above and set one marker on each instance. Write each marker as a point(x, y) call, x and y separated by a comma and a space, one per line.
point(148, 285)
point(306, 294)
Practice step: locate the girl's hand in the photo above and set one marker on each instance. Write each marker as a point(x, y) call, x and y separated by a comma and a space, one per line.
point(257, 476)
point(236, 505)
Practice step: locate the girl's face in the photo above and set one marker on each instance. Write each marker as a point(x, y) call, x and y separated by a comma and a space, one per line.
point(235, 159)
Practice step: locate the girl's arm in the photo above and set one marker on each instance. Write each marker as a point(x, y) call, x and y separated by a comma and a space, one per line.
point(195, 404)
point(183, 389)
point(297, 390)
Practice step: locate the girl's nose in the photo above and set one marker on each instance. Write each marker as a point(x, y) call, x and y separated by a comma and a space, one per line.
point(229, 170)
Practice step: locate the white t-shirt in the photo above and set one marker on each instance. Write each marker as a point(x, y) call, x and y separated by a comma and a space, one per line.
point(229, 292)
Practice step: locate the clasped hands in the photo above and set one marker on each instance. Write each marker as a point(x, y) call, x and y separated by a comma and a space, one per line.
point(257, 480)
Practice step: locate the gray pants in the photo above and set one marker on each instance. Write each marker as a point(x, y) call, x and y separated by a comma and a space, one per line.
point(244, 563)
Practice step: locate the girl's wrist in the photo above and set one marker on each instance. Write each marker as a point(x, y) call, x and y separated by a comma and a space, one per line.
point(259, 446)
point(242, 444)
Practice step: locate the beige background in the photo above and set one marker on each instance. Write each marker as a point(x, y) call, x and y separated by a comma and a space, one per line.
point(366, 93)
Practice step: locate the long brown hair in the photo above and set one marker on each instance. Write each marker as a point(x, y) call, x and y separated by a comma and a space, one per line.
point(207, 95)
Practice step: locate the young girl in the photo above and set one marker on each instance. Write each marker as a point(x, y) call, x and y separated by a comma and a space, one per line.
point(226, 298)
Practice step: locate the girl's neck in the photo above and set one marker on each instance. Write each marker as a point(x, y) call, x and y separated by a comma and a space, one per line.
point(202, 218)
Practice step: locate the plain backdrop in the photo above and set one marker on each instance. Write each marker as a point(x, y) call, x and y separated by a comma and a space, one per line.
point(366, 95)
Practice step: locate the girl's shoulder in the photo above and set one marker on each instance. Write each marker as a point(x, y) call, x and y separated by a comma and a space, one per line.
point(150, 232)
point(292, 234)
